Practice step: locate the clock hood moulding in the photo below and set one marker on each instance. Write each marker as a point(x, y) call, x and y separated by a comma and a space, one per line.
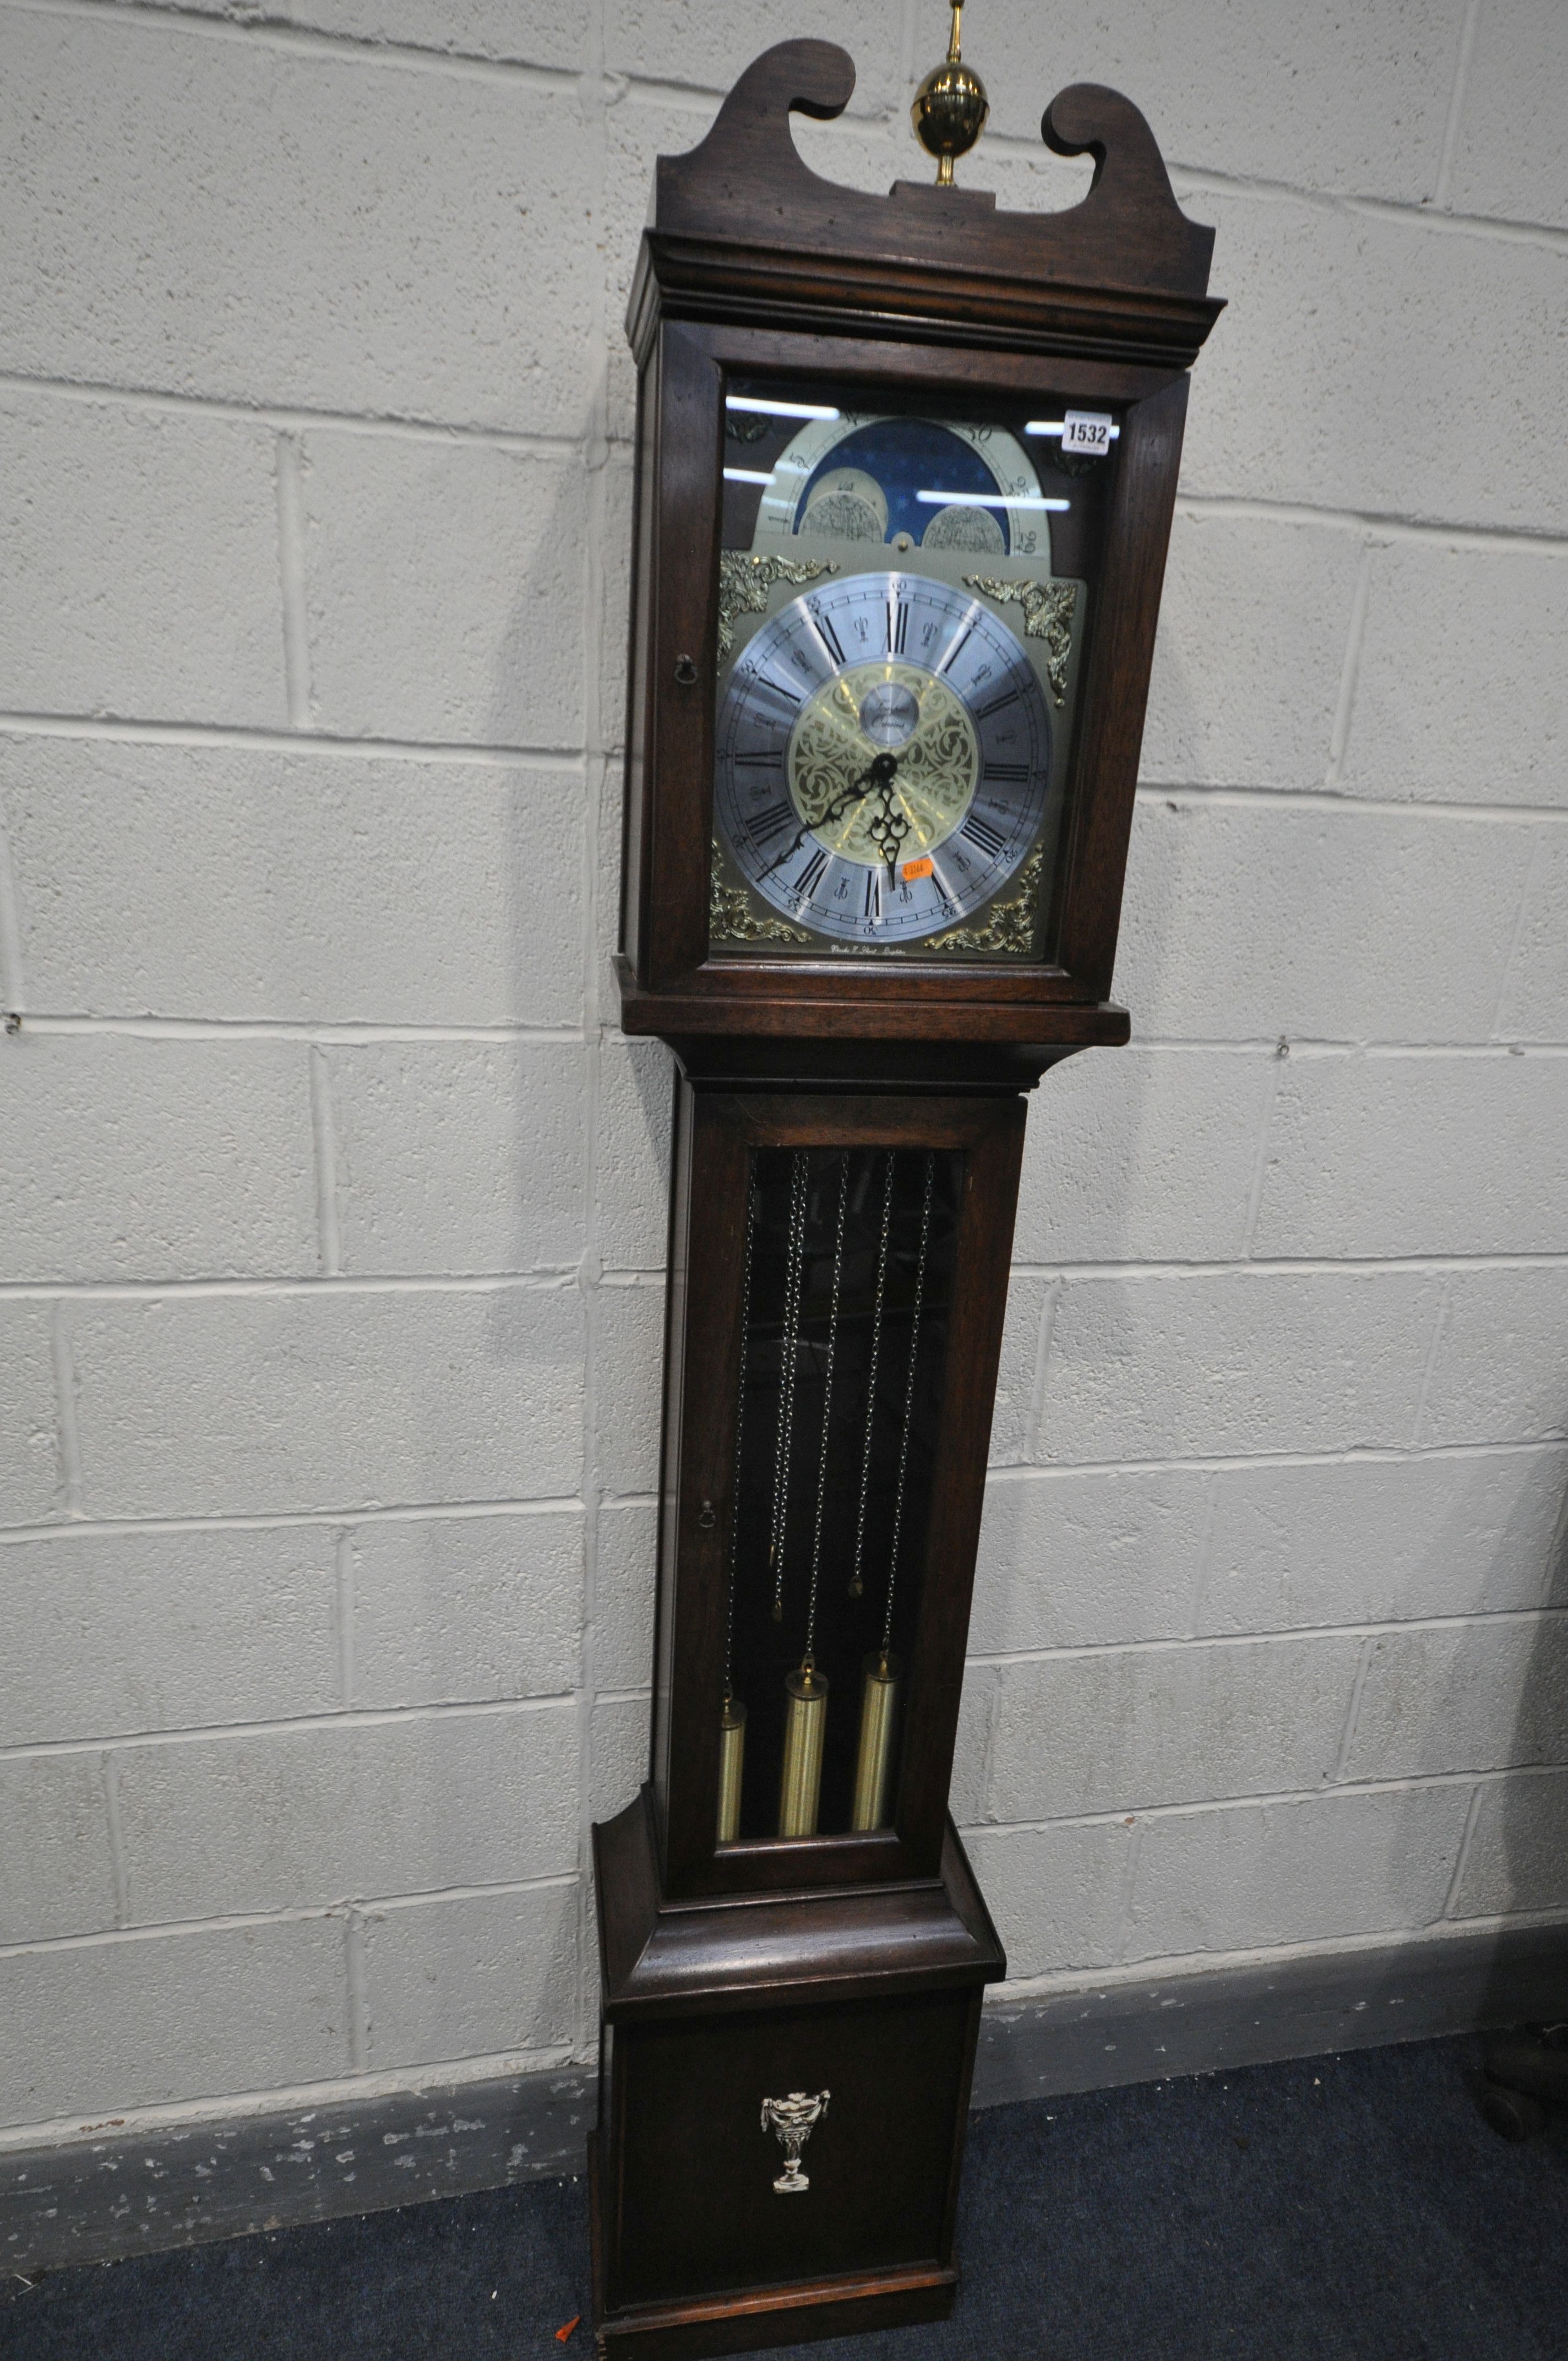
point(742, 229)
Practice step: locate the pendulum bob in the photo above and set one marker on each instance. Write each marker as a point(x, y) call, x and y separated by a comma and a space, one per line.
point(873, 1765)
point(806, 1724)
point(732, 1757)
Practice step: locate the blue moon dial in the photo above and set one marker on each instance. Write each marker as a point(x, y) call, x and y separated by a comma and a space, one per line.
point(884, 754)
point(920, 483)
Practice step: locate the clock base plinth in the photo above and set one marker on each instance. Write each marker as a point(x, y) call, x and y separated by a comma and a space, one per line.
point(754, 2319)
point(867, 2000)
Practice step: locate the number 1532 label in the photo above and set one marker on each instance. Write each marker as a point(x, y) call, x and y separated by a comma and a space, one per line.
point(1089, 431)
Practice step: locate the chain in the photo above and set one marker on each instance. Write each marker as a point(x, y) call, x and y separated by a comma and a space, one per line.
point(856, 1583)
point(788, 1366)
point(908, 1402)
point(740, 1433)
point(826, 1404)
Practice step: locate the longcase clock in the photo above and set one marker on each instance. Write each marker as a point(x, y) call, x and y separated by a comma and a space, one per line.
point(905, 472)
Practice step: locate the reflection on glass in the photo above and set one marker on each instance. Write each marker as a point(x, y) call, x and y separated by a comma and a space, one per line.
point(904, 598)
point(846, 1299)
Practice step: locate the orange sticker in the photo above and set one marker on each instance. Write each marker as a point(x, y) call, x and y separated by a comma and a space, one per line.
point(562, 2333)
point(917, 868)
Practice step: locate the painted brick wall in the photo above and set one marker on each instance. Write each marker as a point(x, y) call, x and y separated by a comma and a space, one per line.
point(329, 1282)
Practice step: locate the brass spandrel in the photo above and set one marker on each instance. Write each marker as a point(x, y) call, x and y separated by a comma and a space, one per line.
point(1008, 926)
point(731, 917)
point(744, 582)
point(1048, 609)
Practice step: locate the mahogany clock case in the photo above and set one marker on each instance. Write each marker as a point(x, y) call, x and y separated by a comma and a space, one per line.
point(757, 280)
point(867, 2001)
point(848, 1137)
point(714, 1574)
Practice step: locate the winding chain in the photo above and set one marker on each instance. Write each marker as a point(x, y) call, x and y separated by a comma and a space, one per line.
point(739, 1434)
point(908, 1400)
point(788, 1371)
point(856, 1583)
point(827, 1404)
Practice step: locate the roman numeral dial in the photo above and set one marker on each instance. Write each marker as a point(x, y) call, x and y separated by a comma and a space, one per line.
point(883, 759)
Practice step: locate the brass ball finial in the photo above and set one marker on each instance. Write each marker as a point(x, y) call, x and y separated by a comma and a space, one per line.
point(950, 106)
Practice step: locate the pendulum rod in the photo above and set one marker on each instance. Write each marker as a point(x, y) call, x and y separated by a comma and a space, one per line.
point(805, 1690)
point(732, 1720)
point(879, 1694)
point(856, 1583)
point(789, 1353)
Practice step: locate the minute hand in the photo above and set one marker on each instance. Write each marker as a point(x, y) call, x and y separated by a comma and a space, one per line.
point(880, 775)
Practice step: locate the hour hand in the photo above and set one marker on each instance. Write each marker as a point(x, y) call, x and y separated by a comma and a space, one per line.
point(880, 775)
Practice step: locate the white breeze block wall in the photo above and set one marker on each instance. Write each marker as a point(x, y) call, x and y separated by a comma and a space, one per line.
point(335, 1204)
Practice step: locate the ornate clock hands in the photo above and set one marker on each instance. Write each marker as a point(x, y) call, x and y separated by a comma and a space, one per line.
point(888, 828)
point(879, 776)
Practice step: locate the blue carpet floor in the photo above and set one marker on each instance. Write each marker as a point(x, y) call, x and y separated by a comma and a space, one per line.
point(1352, 2206)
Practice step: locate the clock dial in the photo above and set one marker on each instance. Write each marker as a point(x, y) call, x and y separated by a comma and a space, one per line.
point(884, 757)
point(921, 482)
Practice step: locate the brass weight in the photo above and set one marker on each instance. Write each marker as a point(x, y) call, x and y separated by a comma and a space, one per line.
point(806, 1724)
point(873, 1765)
point(731, 1759)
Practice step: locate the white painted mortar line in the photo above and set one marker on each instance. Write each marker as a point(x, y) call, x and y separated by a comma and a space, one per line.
point(13, 989)
point(1176, 1644)
point(1288, 1799)
point(324, 1034)
point(290, 420)
point(67, 1441)
point(1393, 525)
point(1353, 1711)
point(1205, 1558)
point(313, 1914)
point(357, 1997)
point(330, 1034)
point(1260, 1159)
point(1458, 92)
point(343, 1603)
point(289, 1519)
point(1372, 1454)
point(1356, 634)
point(1064, 1983)
point(1126, 1907)
point(324, 1135)
point(305, 40)
point(1280, 1267)
point(129, 729)
point(118, 1866)
point(1439, 1329)
point(134, 1290)
point(1526, 890)
point(1035, 1426)
point(1197, 794)
point(288, 470)
point(988, 1752)
point(302, 1725)
point(1462, 1856)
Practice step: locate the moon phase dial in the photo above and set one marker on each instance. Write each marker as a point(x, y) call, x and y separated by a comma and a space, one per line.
point(884, 755)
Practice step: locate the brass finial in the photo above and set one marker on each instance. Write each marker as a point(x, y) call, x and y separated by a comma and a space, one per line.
point(950, 106)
